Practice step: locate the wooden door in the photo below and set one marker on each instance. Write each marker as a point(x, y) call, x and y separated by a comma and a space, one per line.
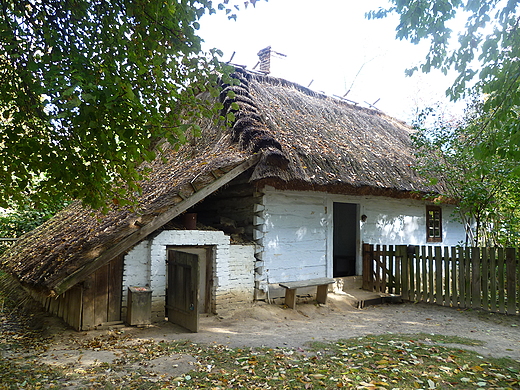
point(182, 295)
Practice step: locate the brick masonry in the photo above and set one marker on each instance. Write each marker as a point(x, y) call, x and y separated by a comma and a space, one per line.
point(233, 268)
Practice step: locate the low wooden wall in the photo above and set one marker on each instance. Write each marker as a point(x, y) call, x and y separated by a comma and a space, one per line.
point(478, 278)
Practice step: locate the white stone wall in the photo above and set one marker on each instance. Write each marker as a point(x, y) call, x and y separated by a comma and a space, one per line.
point(295, 239)
point(145, 265)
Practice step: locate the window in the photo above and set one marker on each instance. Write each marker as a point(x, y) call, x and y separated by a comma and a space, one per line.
point(433, 224)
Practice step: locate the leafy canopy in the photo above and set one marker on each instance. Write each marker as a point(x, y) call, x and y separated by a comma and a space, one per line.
point(487, 190)
point(485, 57)
point(89, 87)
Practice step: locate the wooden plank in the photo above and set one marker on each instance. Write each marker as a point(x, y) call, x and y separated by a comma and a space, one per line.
point(462, 277)
point(397, 273)
point(401, 250)
point(484, 253)
point(418, 276)
point(476, 285)
point(115, 289)
point(411, 275)
point(454, 301)
point(307, 283)
point(501, 281)
point(493, 280)
point(431, 276)
point(511, 280)
point(377, 268)
point(290, 297)
point(424, 274)
point(156, 223)
point(101, 295)
point(367, 273)
point(321, 293)
point(447, 277)
point(384, 269)
point(76, 293)
point(391, 269)
point(467, 277)
point(88, 321)
point(438, 276)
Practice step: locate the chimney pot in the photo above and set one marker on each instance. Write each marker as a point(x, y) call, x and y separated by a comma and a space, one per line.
point(264, 56)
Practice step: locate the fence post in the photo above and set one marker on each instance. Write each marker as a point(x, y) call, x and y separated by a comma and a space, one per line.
point(368, 267)
point(511, 280)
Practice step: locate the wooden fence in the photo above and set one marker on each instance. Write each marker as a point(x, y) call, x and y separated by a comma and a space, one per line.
point(478, 278)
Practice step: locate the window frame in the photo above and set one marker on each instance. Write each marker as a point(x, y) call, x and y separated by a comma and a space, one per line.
point(433, 238)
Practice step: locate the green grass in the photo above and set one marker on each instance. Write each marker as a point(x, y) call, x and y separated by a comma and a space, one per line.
point(389, 361)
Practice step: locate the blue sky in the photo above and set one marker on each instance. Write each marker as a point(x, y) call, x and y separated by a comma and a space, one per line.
point(332, 44)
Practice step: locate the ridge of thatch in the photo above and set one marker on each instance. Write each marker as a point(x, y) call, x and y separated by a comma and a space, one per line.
point(299, 139)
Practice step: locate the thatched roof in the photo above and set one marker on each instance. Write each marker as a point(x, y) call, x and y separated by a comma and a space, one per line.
point(284, 135)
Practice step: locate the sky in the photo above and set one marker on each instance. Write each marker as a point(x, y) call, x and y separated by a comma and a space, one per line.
point(331, 44)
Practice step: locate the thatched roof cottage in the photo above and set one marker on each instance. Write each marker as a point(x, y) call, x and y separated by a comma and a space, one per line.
point(288, 193)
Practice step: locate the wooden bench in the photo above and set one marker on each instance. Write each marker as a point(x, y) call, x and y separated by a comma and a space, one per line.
point(322, 285)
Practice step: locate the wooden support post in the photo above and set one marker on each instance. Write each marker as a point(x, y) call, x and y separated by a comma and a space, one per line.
point(321, 293)
point(290, 297)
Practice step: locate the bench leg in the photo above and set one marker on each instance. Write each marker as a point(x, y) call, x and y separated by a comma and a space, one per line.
point(321, 293)
point(290, 297)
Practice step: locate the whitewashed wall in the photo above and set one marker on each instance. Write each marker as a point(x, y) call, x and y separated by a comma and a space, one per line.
point(233, 268)
point(295, 240)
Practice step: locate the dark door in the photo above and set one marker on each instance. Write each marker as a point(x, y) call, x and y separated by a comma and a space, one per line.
point(344, 239)
point(182, 292)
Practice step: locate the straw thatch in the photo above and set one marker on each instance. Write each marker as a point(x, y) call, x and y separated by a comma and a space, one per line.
point(295, 138)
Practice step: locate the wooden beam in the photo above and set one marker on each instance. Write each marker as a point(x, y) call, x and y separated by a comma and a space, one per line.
point(153, 225)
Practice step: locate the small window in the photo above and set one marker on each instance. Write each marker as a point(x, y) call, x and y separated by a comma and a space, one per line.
point(433, 224)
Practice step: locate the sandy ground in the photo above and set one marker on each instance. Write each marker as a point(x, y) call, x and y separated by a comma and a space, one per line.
point(277, 326)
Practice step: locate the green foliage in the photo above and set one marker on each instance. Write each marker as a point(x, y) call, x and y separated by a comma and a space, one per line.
point(24, 217)
point(487, 187)
point(89, 88)
point(485, 58)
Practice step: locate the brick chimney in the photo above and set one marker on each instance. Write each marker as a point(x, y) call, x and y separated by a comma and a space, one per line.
point(264, 56)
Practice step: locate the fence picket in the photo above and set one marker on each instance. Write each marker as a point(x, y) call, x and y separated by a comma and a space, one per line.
point(510, 280)
point(398, 269)
point(454, 274)
point(493, 279)
point(405, 272)
point(391, 269)
point(438, 276)
point(501, 281)
point(446, 279)
point(484, 253)
point(467, 277)
point(480, 278)
point(476, 286)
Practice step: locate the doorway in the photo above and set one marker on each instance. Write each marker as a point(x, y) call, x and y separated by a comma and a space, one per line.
point(188, 287)
point(345, 239)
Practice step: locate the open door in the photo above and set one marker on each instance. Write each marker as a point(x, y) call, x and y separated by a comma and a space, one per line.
point(345, 238)
point(182, 295)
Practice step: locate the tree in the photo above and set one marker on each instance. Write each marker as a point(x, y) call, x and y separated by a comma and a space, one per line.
point(89, 87)
point(486, 189)
point(486, 59)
